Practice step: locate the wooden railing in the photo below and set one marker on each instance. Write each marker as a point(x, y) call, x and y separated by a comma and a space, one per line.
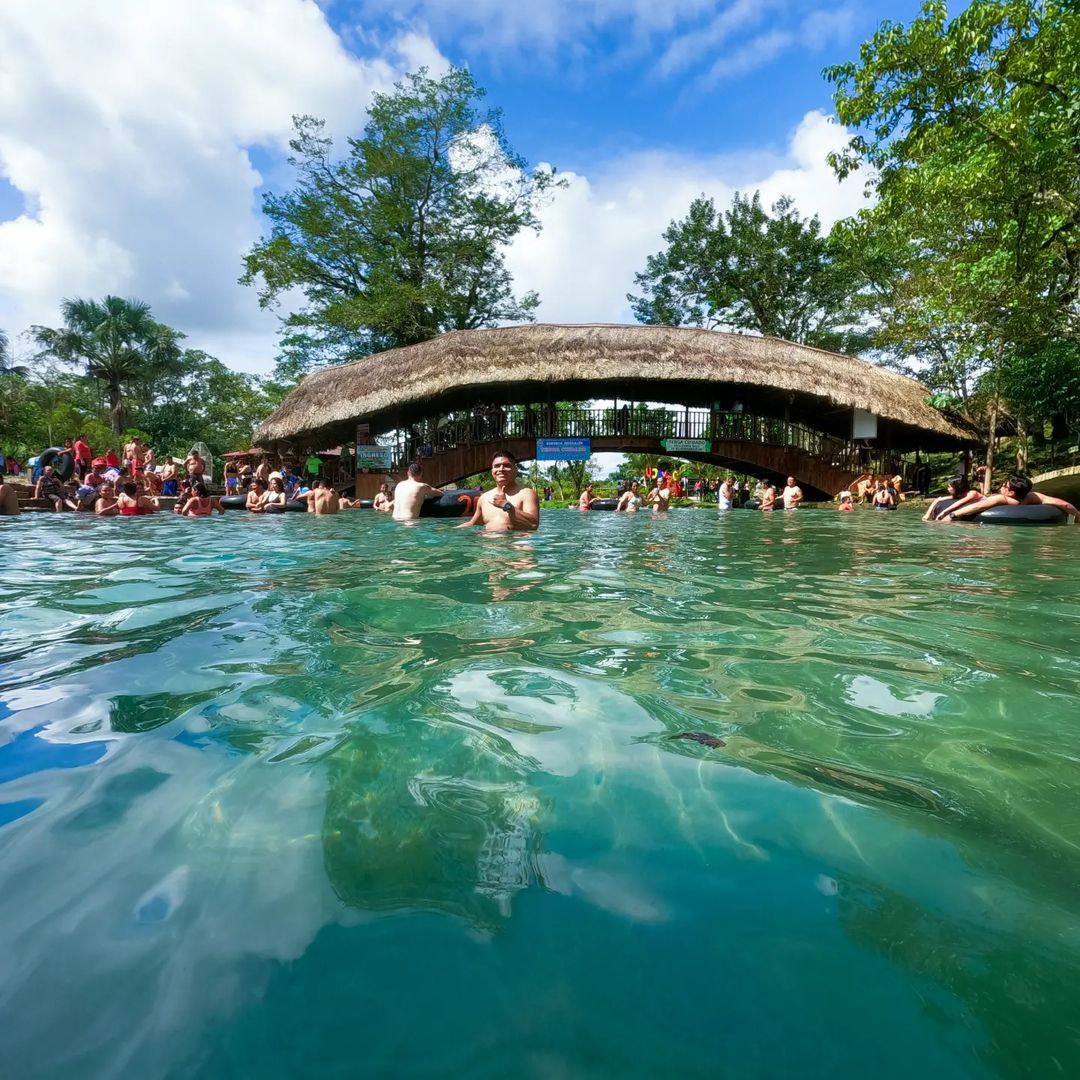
point(493, 424)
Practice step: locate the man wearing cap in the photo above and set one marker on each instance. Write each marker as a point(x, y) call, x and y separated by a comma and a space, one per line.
point(846, 503)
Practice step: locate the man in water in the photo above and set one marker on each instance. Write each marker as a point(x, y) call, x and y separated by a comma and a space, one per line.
point(323, 499)
point(383, 501)
point(507, 506)
point(792, 494)
point(409, 495)
point(1016, 491)
point(725, 497)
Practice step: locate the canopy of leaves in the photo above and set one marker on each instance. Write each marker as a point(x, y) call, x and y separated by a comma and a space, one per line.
point(404, 237)
point(970, 129)
point(745, 269)
point(118, 343)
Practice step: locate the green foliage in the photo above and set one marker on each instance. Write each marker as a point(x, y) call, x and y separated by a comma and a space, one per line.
point(404, 237)
point(745, 269)
point(970, 131)
point(117, 341)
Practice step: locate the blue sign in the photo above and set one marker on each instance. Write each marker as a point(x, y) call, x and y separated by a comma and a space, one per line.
point(563, 449)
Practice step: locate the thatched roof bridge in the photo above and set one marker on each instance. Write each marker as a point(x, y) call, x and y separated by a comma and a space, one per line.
point(538, 365)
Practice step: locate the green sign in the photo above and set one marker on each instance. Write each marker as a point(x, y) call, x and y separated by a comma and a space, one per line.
point(694, 446)
point(375, 458)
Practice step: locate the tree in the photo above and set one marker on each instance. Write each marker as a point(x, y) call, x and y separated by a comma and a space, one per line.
point(971, 131)
point(117, 341)
point(7, 362)
point(403, 238)
point(746, 270)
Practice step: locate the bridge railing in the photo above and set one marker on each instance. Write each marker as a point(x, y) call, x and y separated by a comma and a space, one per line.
point(490, 425)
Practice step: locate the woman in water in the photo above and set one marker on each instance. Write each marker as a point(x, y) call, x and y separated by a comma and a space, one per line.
point(586, 500)
point(201, 504)
point(884, 499)
point(275, 495)
point(630, 501)
point(129, 503)
point(958, 495)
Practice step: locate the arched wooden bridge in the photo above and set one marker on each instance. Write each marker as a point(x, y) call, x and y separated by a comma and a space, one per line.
point(757, 405)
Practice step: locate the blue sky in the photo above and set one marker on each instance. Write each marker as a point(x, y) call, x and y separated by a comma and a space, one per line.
point(136, 139)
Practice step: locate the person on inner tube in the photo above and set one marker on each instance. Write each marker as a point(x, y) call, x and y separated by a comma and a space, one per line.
point(1016, 491)
point(958, 495)
point(508, 506)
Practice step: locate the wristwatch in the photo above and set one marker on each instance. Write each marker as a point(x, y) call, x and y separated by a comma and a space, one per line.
point(508, 506)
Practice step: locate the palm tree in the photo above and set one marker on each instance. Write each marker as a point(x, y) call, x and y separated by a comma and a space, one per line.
point(117, 340)
point(7, 365)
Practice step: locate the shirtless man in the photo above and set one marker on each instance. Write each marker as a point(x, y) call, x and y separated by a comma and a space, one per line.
point(660, 496)
point(255, 497)
point(167, 476)
point(135, 456)
point(768, 496)
point(9, 501)
point(792, 494)
point(106, 501)
point(383, 501)
point(1016, 491)
point(506, 506)
point(262, 472)
point(195, 465)
point(323, 499)
point(409, 495)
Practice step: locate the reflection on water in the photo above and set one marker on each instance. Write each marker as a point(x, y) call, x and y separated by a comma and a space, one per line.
point(631, 795)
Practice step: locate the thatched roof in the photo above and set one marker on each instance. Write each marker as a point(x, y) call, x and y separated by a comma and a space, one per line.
point(538, 363)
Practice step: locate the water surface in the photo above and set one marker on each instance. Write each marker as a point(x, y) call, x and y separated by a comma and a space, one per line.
point(293, 796)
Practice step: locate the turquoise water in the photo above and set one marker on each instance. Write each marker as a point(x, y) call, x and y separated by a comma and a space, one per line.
point(334, 797)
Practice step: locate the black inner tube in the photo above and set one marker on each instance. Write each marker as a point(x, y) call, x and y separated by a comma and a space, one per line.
point(451, 503)
point(1028, 514)
point(62, 461)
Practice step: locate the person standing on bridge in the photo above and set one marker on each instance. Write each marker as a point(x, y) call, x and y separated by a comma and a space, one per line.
point(410, 493)
point(792, 494)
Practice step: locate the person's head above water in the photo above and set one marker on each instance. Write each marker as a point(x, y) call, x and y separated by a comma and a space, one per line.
point(503, 468)
point(1018, 486)
point(957, 486)
point(415, 470)
point(198, 489)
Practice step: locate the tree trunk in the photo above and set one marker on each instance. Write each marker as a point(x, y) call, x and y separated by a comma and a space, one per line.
point(116, 409)
point(1021, 447)
point(991, 442)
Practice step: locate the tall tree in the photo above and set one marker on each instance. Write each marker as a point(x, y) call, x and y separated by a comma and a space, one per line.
point(745, 269)
point(7, 363)
point(404, 237)
point(118, 342)
point(970, 130)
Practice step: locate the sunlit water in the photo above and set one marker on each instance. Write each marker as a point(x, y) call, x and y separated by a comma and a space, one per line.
point(287, 797)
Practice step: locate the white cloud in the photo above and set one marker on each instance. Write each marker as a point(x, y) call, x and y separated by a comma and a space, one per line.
point(598, 230)
point(126, 127)
point(688, 49)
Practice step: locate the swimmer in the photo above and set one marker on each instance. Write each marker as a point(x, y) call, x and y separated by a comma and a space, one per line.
point(630, 501)
point(958, 495)
point(201, 504)
point(129, 503)
point(1016, 491)
point(792, 494)
point(725, 497)
point(586, 500)
point(9, 501)
point(255, 497)
point(846, 503)
point(768, 497)
point(410, 493)
point(507, 506)
point(884, 499)
point(323, 498)
point(660, 496)
point(105, 506)
point(383, 501)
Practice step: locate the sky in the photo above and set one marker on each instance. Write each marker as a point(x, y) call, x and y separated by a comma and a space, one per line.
point(137, 139)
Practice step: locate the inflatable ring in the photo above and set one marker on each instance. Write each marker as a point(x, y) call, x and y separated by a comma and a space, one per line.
point(234, 502)
point(296, 506)
point(603, 504)
point(451, 503)
point(1031, 514)
point(62, 461)
point(752, 504)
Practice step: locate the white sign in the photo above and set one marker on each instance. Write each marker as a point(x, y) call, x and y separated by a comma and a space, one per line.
point(863, 424)
point(375, 458)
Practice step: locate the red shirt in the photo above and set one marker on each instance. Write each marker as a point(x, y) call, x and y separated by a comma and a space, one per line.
point(82, 451)
point(111, 460)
